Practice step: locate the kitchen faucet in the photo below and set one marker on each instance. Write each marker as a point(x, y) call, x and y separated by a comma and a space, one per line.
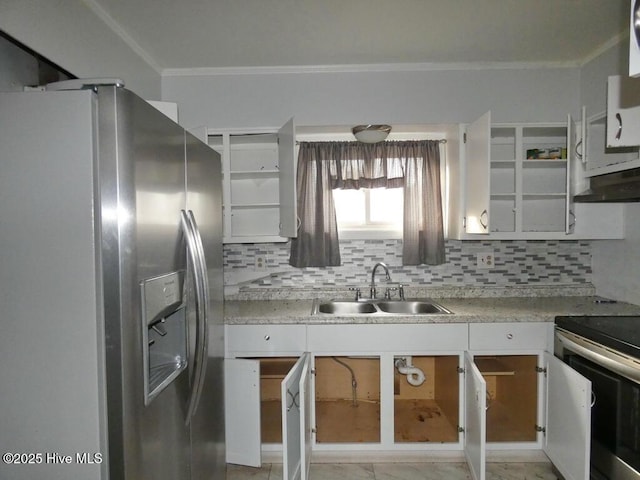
point(372, 292)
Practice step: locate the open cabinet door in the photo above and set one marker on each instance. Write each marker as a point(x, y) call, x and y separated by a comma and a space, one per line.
point(569, 220)
point(477, 164)
point(568, 429)
point(295, 421)
point(242, 411)
point(287, 181)
point(475, 428)
point(305, 413)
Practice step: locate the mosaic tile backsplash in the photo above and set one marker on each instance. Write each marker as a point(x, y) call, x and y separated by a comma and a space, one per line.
point(518, 262)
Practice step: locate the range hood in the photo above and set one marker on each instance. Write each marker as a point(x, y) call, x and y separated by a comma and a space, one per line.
point(613, 187)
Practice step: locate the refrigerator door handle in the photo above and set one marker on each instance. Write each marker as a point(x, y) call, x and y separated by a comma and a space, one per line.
point(196, 257)
point(205, 307)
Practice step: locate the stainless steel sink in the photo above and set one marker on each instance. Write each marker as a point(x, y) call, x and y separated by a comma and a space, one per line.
point(346, 308)
point(411, 307)
point(378, 307)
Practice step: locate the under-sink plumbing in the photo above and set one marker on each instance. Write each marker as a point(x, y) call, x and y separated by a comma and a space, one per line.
point(415, 376)
point(354, 382)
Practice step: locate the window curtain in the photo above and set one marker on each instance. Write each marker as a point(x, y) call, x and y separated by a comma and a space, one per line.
point(323, 166)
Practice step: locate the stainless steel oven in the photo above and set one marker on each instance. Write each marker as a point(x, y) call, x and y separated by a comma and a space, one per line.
point(605, 350)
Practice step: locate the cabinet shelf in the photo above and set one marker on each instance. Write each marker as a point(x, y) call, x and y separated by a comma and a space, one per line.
point(545, 163)
point(541, 196)
point(493, 367)
point(503, 163)
point(239, 206)
point(254, 174)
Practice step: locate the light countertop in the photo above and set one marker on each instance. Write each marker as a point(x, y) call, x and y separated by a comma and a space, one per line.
point(465, 310)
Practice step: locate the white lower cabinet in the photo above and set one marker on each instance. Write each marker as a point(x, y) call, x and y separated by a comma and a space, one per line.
point(393, 389)
point(267, 402)
point(526, 398)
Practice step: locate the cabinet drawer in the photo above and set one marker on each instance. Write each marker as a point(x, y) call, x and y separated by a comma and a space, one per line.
point(387, 338)
point(509, 336)
point(265, 339)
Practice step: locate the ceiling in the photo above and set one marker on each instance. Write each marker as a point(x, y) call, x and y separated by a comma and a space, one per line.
point(188, 34)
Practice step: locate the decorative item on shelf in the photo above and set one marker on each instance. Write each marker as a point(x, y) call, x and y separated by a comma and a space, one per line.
point(371, 133)
point(546, 153)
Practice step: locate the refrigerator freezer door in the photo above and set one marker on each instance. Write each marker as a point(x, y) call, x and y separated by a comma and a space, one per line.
point(51, 344)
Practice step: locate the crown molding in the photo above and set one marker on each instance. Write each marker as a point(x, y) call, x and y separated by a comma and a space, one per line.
point(365, 68)
point(612, 42)
point(102, 14)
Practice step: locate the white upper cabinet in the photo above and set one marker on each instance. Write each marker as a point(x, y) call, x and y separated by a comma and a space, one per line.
point(287, 182)
point(518, 182)
point(596, 157)
point(258, 184)
point(623, 111)
point(634, 40)
point(477, 154)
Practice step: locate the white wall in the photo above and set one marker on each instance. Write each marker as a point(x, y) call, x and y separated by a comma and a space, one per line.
point(71, 35)
point(593, 77)
point(616, 264)
point(260, 99)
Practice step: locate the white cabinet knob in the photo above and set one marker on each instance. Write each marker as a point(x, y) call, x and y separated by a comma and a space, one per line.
point(267, 337)
point(509, 336)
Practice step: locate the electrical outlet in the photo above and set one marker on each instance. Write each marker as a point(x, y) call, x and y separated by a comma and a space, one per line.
point(260, 263)
point(485, 260)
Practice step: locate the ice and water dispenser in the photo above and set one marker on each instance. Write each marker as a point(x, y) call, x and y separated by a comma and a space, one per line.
point(164, 331)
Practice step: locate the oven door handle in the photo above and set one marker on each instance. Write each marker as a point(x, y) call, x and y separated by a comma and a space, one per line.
point(614, 362)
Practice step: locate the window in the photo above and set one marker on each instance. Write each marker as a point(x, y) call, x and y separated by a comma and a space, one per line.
point(369, 212)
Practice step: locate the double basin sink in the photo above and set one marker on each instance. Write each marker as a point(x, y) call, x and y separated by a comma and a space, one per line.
point(378, 307)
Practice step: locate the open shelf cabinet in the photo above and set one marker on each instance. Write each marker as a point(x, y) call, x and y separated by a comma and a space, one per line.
point(259, 198)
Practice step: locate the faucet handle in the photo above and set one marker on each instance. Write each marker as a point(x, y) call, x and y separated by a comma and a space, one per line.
point(387, 292)
point(401, 291)
point(358, 293)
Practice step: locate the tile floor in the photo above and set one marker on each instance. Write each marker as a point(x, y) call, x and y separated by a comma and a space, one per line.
point(398, 471)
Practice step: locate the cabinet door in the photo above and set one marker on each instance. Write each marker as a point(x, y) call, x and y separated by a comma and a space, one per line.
point(571, 147)
point(287, 181)
point(242, 411)
point(296, 428)
point(477, 162)
point(475, 435)
point(568, 429)
point(623, 111)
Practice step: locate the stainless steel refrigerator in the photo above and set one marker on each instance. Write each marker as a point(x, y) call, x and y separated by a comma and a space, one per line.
point(111, 330)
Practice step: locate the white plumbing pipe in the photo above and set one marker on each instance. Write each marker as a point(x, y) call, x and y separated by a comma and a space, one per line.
point(415, 376)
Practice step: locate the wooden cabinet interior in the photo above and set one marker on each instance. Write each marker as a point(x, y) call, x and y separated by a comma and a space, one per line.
point(428, 412)
point(272, 372)
point(512, 396)
point(347, 399)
